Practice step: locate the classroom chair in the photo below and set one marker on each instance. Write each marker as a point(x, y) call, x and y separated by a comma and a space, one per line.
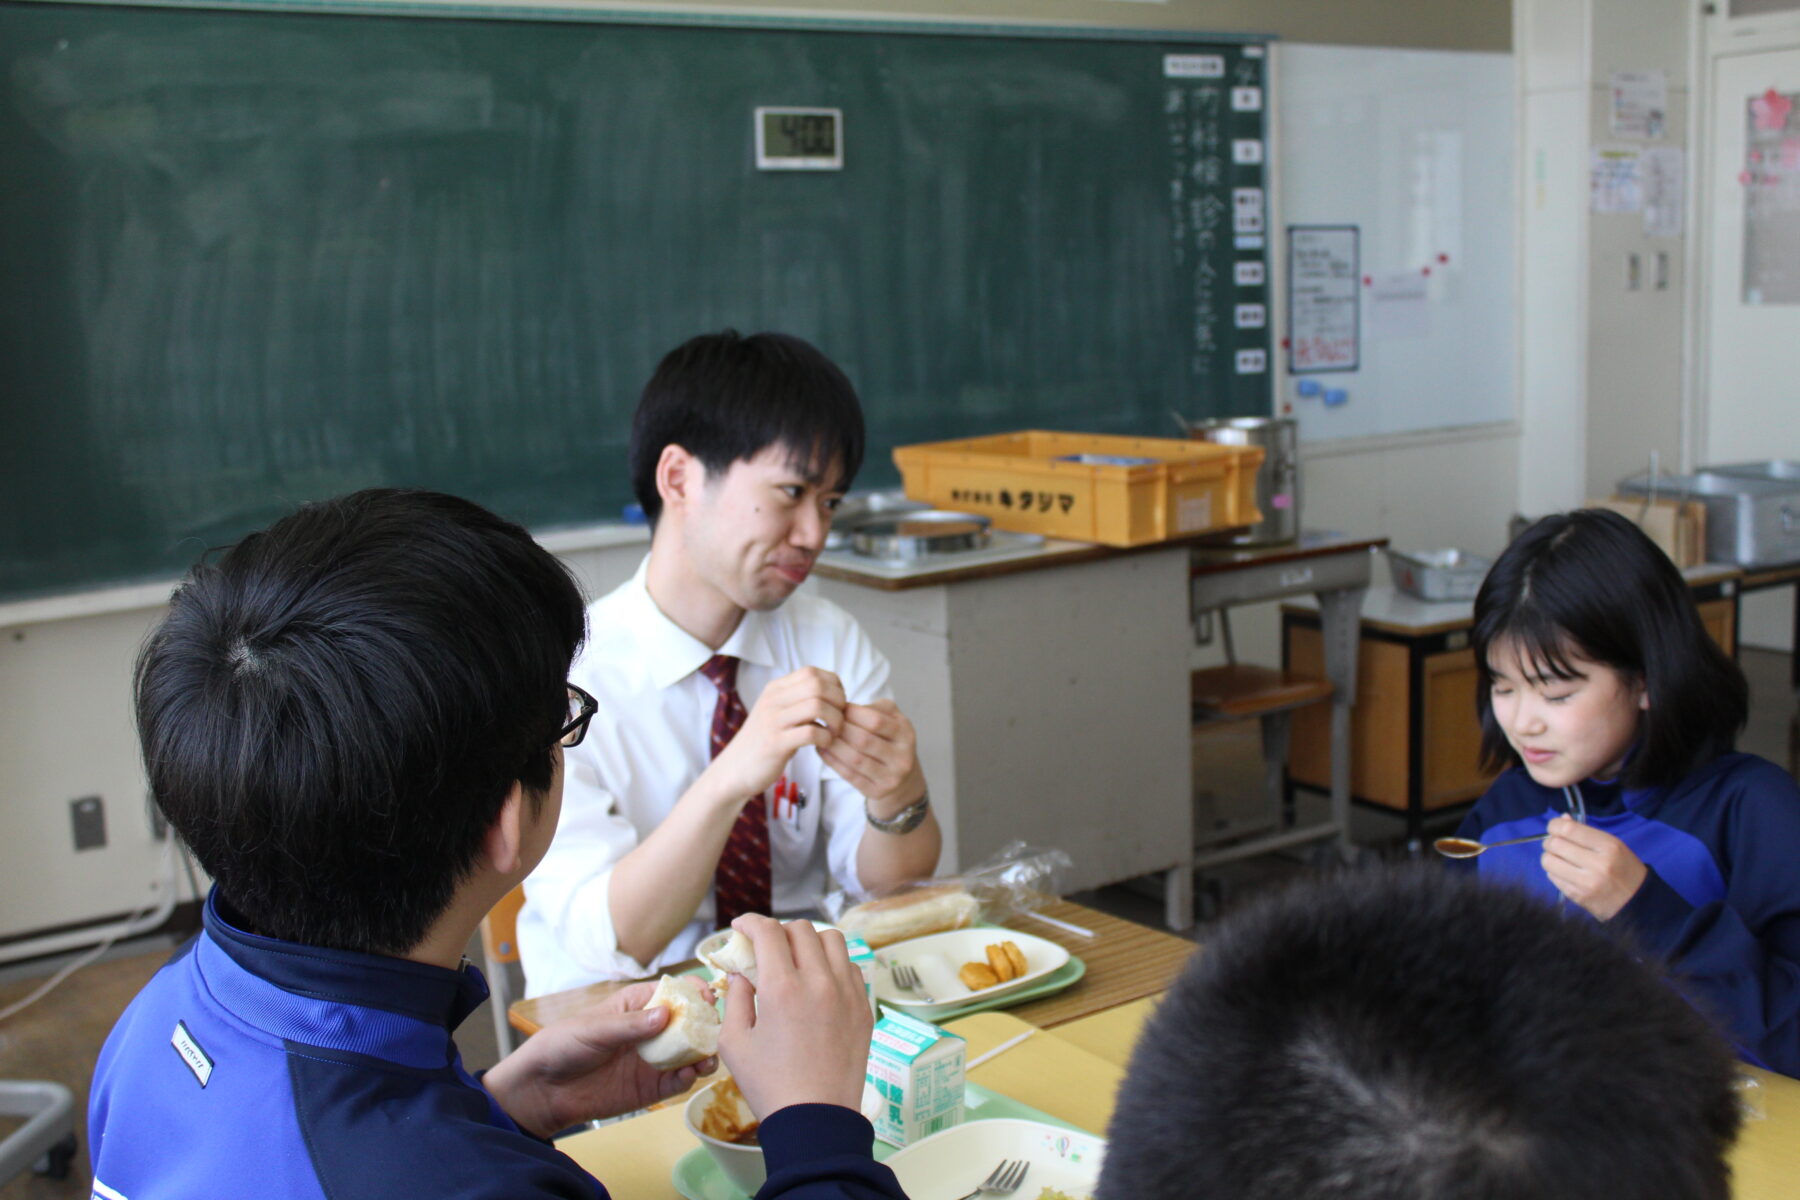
point(500, 959)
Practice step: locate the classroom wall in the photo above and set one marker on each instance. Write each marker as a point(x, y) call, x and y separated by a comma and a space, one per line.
point(65, 729)
point(1422, 24)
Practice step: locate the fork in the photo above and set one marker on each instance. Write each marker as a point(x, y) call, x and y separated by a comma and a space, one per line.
point(907, 980)
point(1003, 1180)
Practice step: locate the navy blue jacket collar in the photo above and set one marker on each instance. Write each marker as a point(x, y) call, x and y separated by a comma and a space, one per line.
point(417, 990)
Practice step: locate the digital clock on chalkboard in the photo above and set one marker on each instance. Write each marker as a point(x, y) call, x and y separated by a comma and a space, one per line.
point(800, 139)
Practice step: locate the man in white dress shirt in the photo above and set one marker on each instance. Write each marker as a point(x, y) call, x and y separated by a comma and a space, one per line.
point(747, 751)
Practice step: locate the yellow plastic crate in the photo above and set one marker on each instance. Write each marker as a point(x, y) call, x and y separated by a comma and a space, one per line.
point(1059, 485)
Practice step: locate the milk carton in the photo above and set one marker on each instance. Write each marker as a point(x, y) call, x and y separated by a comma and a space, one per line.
point(864, 958)
point(915, 1081)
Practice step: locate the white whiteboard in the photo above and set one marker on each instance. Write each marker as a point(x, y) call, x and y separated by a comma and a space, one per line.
point(1414, 148)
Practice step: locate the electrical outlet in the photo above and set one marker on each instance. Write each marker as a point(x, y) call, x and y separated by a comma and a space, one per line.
point(88, 815)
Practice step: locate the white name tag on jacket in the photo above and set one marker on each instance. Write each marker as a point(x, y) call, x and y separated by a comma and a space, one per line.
point(191, 1053)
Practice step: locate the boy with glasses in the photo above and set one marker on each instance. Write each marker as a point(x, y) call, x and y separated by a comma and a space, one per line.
point(356, 721)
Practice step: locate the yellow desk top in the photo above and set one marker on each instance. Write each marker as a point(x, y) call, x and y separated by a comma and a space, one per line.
point(1074, 1072)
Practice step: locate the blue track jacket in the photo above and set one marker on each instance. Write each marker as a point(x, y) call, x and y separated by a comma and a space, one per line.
point(1722, 901)
point(255, 1067)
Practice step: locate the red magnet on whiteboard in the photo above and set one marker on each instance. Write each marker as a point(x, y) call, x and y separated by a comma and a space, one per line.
point(1443, 258)
point(1286, 344)
point(1771, 110)
point(1368, 282)
point(1424, 270)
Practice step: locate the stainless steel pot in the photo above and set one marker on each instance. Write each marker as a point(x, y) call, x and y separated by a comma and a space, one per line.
point(1277, 480)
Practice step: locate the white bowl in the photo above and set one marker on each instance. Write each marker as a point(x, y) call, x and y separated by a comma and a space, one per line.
point(743, 1165)
point(948, 1165)
point(938, 956)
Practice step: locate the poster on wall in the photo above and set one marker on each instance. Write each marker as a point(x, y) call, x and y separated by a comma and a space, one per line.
point(1323, 331)
point(1770, 177)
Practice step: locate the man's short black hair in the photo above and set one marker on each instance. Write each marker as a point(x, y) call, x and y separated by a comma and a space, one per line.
point(333, 713)
point(724, 398)
point(1590, 582)
point(1412, 1036)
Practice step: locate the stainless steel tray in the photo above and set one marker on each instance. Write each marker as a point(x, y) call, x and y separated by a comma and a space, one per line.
point(1752, 509)
point(1438, 575)
point(908, 536)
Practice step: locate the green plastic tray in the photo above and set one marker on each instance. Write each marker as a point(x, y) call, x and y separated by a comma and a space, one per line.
point(698, 1177)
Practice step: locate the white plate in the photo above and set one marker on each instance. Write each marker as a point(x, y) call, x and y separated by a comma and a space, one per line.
point(938, 956)
point(949, 1165)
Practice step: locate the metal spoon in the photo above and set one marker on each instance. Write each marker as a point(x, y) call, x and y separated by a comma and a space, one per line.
point(1455, 847)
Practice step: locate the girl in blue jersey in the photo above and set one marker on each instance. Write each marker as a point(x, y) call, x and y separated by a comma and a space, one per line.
point(1616, 714)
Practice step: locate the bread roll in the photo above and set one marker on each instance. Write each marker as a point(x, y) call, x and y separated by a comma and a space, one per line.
point(693, 1029)
point(909, 914)
point(736, 956)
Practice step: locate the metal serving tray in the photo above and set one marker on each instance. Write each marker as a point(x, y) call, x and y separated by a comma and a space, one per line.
point(1438, 575)
point(1752, 509)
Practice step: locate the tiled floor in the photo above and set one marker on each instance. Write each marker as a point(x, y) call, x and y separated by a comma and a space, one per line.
point(60, 1038)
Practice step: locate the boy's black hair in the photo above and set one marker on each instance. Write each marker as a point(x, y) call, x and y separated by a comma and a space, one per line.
point(1589, 584)
point(333, 713)
point(1416, 1036)
point(723, 397)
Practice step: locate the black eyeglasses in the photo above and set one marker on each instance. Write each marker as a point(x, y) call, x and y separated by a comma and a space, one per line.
point(582, 708)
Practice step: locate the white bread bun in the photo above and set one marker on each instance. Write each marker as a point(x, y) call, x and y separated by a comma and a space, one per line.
point(736, 956)
point(909, 914)
point(693, 1029)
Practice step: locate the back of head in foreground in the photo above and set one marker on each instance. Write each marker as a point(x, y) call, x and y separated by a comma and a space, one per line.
point(333, 713)
point(1414, 1036)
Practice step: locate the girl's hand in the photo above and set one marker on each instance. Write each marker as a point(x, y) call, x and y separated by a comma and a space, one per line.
point(1592, 867)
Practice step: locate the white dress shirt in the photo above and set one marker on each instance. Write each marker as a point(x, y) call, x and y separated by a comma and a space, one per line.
point(646, 746)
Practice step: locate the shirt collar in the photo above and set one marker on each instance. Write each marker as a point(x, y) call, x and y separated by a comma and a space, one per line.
point(671, 653)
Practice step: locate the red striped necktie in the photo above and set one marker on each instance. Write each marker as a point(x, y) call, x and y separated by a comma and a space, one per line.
point(741, 881)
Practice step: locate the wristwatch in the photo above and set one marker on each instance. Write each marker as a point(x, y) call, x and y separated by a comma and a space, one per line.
point(904, 821)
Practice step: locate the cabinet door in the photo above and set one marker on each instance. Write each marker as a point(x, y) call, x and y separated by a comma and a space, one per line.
point(1378, 725)
point(1451, 759)
point(1720, 619)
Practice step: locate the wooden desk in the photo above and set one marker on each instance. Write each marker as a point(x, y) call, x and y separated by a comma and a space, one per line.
point(1074, 1074)
point(1332, 570)
point(1125, 961)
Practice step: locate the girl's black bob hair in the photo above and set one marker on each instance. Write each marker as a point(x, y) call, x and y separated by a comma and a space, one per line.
point(1588, 585)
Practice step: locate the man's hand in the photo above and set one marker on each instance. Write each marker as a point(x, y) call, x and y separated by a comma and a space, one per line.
point(1592, 867)
point(801, 1035)
point(585, 1066)
point(876, 752)
point(805, 708)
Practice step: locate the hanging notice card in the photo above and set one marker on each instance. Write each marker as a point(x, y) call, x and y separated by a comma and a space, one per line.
point(1322, 297)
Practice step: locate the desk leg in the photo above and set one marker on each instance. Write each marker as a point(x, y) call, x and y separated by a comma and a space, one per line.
point(1178, 898)
point(1340, 613)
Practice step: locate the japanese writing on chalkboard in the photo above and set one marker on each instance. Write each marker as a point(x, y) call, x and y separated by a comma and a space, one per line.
point(1213, 117)
point(1018, 501)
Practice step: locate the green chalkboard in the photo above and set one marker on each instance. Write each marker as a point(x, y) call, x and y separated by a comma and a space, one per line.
point(252, 257)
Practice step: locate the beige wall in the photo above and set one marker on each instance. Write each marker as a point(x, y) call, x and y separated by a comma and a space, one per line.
point(1421, 24)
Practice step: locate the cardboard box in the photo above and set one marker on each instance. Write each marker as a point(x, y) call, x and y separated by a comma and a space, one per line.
point(914, 1086)
point(1678, 527)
